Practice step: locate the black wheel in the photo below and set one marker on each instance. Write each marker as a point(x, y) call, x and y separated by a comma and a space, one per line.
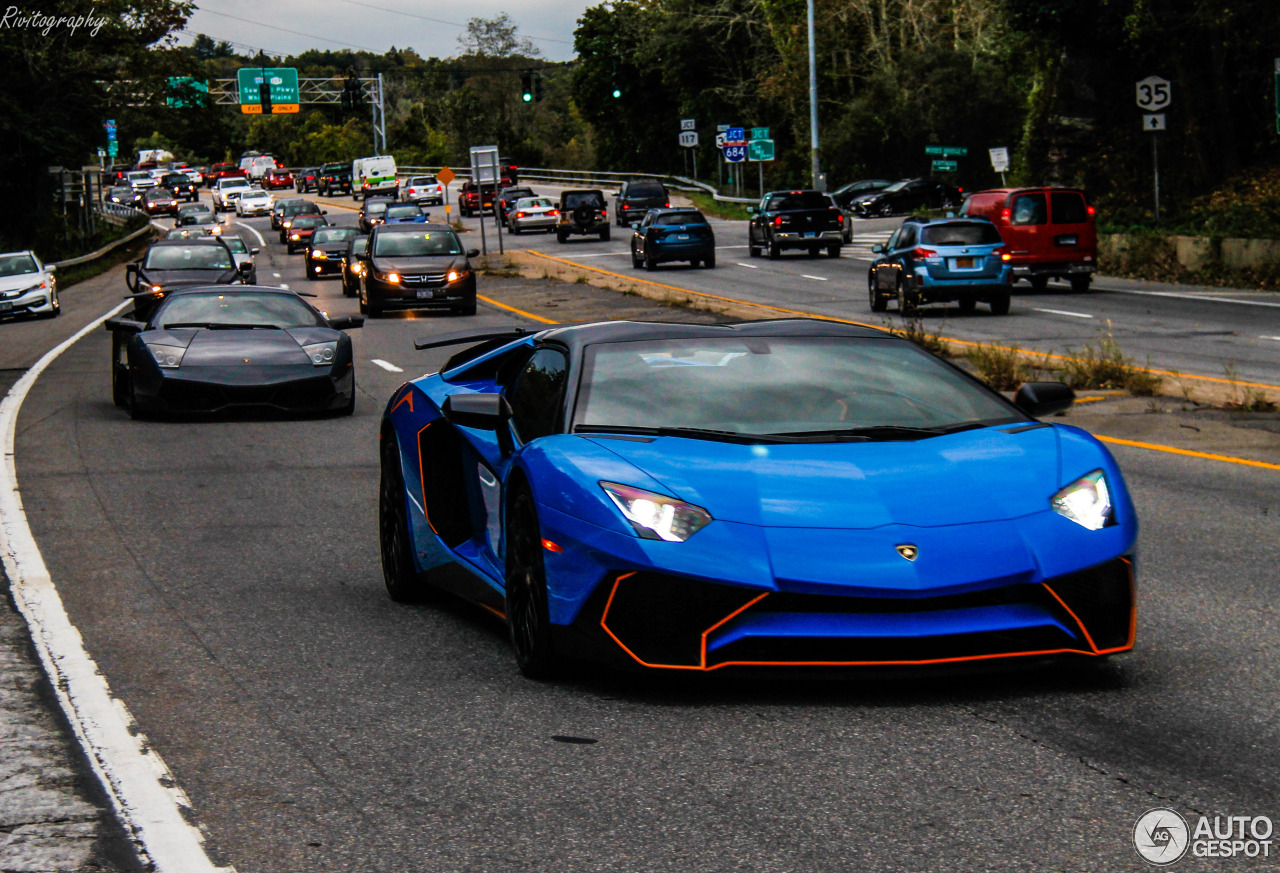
point(1079, 284)
point(636, 261)
point(364, 307)
point(967, 304)
point(878, 301)
point(527, 616)
point(404, 585)
point(695, 262)
point(649, 263)
point(311, 274)
point(709, 261)
point(346, 289)
point(753, 251)
point(350, 408)
point(512, 229)
point(775, 251)
point(119, 385)
point(1000, 303)
point(813, 251)
point(375, 309)
point(466, 308)
point(908, 305)
point(886, 210)
point(604, 234)
point(1039, 283)
point(561, 236)
point(833, 251)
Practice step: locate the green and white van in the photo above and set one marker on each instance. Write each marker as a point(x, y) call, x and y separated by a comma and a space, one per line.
point(371, 176)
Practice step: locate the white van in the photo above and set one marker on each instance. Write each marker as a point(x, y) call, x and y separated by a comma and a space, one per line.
point(374, 176)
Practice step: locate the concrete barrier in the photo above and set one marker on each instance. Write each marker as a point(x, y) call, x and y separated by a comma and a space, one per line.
point(1124, 251)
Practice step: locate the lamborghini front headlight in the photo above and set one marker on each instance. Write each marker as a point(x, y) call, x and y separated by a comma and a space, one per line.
point(656, 516)
point(1086, 501)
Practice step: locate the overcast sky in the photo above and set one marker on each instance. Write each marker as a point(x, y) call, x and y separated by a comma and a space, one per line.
point(284, 27)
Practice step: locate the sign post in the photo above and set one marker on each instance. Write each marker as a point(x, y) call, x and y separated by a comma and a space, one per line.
point(720, 129)
point(689, 139)
point(1277, 95)
point(735, 152)
point(445, 177)
point(999, 161)
point(484, 169)
point(759, 150)
point(1154, 94)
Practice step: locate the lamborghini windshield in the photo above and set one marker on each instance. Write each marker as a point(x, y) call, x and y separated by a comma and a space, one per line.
point(818, 387)
point(214, 310)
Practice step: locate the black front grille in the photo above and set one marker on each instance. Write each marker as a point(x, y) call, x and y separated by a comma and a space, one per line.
point(1102, 598)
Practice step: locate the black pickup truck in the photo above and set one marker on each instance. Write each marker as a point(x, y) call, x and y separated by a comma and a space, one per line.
point(333, 179)
point(795, 220)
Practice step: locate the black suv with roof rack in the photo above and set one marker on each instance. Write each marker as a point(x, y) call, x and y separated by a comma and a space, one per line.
point(637, 197)
point(582, 212)
point(333, 179)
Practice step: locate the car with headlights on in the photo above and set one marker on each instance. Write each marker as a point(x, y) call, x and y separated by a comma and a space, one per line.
point(673, 235)
point(694, 498)
point(227, 191)
point(300, 231)
point(139, 180)
point(533, 213)
point(28, 286)
point(255, 201)
point(124, 196)
point(357, 246)
point(169, 264)
point(372, 211)
point(158, 201)
point(205, 221)
point(292, 210)
point(941, 260)
point(181, 186)
point(327, 251)
point(416, 266)
point(210, 349)
point(278, 208)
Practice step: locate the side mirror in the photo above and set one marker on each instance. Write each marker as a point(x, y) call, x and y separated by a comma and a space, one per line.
point(752, 210)
point(1041, 399)
point(473, 253)
point(246, 268)
point(324, 212)
point(346, 322)
point(254, 251)
point(120, 324)
point(52, 268)
point(482, 412)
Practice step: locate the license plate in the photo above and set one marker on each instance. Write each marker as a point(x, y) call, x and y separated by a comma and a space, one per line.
point(1067, 240)
point(5, 307)
point(964, 263)
point(682, 236)
point(425, 294)
point(810, 234)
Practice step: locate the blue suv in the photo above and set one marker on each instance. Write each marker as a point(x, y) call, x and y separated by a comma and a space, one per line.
point(941, 260)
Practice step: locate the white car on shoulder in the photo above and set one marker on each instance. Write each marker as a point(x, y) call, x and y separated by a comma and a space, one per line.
point(227, 191)
point(27, 286)
point(533, 213)
point(255, 201)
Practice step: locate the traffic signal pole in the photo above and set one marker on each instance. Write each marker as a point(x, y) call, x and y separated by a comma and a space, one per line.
point(813, 104)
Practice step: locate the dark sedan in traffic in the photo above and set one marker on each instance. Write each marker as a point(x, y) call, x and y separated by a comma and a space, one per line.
point(673, 235)
point(328, 250)
point(170, 264)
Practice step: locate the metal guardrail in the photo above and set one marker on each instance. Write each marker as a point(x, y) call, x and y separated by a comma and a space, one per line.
point(116, 209)
point(596, 178)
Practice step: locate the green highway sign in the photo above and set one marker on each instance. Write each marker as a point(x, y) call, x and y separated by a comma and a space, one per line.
point(113, 148)
point(945, 151)
point(186, 92)
point(760, 149)
point(945, 166)
point(284, 89)
point(760, 133)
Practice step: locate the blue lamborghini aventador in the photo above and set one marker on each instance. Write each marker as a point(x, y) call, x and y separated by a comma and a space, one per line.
point(787, 493)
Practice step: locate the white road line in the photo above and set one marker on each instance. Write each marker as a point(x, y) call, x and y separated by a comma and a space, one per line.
point(261, 241)
point(816, 278)
point(141, 788)
point(284, 286)
point(750, 266)
point(387, 365)
point(1206, 298)
point(1064, 312)
point(605, 255)
point(276, 275)
point(1276, 338)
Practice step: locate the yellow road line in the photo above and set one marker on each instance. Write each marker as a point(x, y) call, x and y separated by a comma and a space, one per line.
point(537, 318)
point(1028, 352)
point(1209, 456)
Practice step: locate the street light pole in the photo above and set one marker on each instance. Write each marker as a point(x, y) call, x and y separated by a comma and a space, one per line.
point(813, 103)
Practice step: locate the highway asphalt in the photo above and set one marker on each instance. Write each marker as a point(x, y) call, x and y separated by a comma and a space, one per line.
point(225, 576)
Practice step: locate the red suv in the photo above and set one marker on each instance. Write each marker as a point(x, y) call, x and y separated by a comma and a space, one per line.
point(1049, 232)
point(277, 177)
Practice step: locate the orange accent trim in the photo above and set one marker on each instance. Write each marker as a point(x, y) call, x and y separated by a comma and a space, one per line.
point(422, 480)
point(727, 618)
point(408, 396)
point(500, 615)
point(703, 668)
point(552, 547)
point(1088, 637)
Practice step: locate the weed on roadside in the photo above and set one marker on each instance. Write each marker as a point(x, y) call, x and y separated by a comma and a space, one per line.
point(1246, 398)
point(1107, 367)
point(1002, 369)
point(913, 329)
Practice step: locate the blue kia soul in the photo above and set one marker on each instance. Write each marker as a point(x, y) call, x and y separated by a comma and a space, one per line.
point(939, 261)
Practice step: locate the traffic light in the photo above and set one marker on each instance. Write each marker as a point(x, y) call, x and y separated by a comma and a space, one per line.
point(617, 92)
point(526, 86)
point(537, 86)
point(352, 93)
point(264, 97)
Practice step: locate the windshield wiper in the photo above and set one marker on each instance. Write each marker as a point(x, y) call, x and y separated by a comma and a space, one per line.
point(696, 433)
point(220, 325)
point(888, 431)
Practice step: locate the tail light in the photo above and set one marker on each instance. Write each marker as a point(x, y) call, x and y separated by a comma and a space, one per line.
point(839, 218)
point(1002, 252)
point(1006, 213)
point(666, 206)
point(519, 215)
point(777, 222)
point(555, 213)
point(924, 253)
point(625, 206)
point(604, 213)
point(1090, 210)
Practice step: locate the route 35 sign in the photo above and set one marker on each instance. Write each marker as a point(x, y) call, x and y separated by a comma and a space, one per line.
point(1154, 94)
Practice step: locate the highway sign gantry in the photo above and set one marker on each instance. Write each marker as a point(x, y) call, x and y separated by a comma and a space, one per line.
point(283, 82)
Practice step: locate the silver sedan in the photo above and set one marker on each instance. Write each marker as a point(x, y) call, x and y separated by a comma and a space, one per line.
point(533, 213)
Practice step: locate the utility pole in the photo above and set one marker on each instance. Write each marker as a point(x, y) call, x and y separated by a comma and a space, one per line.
point(813, 104)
